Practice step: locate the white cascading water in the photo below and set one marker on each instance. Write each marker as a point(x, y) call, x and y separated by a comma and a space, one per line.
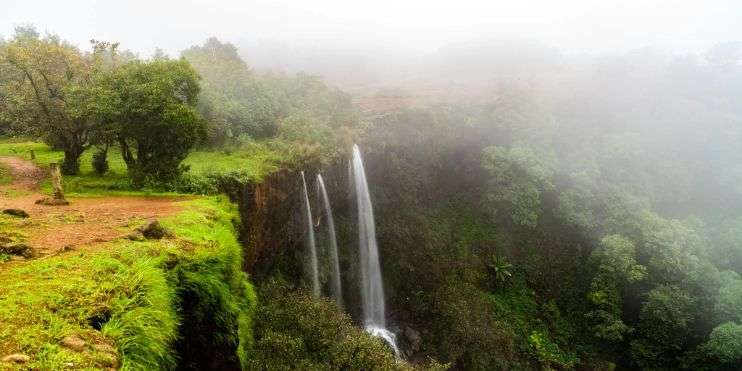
point(372, 292)
point(337, 289)
point(310, 242)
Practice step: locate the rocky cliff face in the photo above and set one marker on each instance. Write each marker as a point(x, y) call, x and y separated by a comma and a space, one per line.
point(273, 231)
point(269, 233)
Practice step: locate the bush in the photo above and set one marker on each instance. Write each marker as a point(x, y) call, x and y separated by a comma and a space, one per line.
point(548, 353)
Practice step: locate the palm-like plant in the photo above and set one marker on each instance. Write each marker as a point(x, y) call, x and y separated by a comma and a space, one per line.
point(500, 269)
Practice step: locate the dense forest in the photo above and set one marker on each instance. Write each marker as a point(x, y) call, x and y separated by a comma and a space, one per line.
point(566, 213)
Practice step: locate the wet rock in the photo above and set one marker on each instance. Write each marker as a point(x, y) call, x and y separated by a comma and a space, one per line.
point(16, 212)
point(413, 339)
point(50, 201)
point(19, 249)
point(16, 358)
point(73, 342)
point(153, 230)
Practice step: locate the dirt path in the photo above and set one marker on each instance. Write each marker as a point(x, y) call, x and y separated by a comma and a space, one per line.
point(26, 175)
point(83, 224)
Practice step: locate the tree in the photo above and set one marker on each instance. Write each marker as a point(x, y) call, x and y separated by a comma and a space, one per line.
point(156, 115)
point(615, 266)
point(518, 178)
point(725, 343)
point(665, 324)
point(40, 92)
point(232, 101)
point(729, 301)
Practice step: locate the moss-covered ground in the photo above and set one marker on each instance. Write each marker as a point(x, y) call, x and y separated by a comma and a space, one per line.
point(124, 298)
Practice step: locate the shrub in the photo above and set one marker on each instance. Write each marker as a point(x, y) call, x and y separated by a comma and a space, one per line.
point(548, 353)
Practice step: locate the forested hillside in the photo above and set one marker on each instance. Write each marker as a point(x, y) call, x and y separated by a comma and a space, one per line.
point(565, 213)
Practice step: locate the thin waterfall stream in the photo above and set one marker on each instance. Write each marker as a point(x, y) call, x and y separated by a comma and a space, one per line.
point(310, 241)
point(337, 289)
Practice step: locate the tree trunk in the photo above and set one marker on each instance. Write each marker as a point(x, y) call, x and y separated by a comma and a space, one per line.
point(71, 162)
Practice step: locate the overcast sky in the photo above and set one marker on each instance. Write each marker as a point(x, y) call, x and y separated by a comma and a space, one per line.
point(570, 25)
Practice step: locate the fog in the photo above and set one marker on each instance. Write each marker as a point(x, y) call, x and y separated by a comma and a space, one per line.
point(544, 184)
point(345, 36)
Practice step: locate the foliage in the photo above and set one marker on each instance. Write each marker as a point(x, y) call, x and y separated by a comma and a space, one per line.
point(729, 301)
point(500, 269)
point(46, 92)
point(616, 266)
point(232, 100)
point(725, 343)
point(665, 322)
point(519, 177)
point(294, 331)
point(548, 353)
point(158, 120)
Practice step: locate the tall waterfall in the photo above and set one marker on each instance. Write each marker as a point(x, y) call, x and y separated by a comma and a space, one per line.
point(311, 244)
point(372, 292)
point(337, 290)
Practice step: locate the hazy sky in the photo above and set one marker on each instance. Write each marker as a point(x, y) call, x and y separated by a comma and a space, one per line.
point(570, 25)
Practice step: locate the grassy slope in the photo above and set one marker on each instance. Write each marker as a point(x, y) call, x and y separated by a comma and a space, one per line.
point(136, 285)
point(255, 160)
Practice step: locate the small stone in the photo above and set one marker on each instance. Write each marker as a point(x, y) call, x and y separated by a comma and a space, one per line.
point(16, 212)
point(16, 358)
point(153, 230)
point(73, 342)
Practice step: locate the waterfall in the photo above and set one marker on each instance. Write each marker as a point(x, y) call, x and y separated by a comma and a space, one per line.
point(372, 292)
point(311, 244)
point(337, 290)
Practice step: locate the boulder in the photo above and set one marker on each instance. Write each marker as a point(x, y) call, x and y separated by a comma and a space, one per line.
point(153, 230)
point(73, 342)
point(16, 212)
point(16, 358)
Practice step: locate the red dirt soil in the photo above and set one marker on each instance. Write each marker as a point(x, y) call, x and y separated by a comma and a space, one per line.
point(85, 222)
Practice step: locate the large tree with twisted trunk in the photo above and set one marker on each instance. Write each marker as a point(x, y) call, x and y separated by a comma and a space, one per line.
point(43, 88)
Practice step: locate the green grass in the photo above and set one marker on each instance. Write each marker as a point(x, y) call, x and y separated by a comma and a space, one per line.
point(255, 160)
point(140, 287)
